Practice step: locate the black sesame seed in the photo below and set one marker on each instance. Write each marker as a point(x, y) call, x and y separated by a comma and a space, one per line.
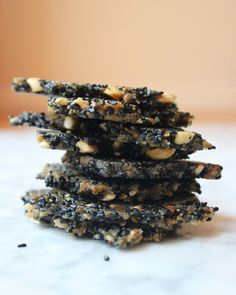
point(21, 245)
point(110, 111)
point(106, 258)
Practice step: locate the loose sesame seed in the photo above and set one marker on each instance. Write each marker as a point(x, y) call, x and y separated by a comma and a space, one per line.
point(106, 258)
point(21, 245)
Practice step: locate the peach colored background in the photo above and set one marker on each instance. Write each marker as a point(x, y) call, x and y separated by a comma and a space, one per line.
point(187, 47)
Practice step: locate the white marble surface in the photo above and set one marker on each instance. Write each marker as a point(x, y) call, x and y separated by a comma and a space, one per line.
point(202, 260)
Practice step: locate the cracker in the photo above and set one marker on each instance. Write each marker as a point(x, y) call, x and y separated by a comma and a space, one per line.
point(140, 96)
point(123, 168)
point(54, 139)
point(155, 137)
point(112, 110)
point(62, 177)
point(163, 214)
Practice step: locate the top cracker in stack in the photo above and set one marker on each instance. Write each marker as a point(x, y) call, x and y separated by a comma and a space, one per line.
point(110, 103)
point(123, 178)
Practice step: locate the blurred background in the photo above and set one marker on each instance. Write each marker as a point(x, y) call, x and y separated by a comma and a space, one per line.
point(186, 47)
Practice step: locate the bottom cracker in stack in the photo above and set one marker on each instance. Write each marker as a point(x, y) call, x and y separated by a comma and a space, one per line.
point(118, 224)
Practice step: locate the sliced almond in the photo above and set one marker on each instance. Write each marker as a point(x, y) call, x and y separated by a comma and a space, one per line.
point(109, 196)
point(59, 224)
point(84, 147)
point(134, 190)
point(108, 237)
point(42, 142)
point(167, 98)
point(160, 154)
point(62, 101)
point(184, 137)
point(81, 102)
point(166, 134)
point(29, 208)
point(34, 84)
point(69, 123)
point(156, 237)
point(113, 91)
point(138, 207)
point(13, 120)
point(135, 236)
point(199, 169)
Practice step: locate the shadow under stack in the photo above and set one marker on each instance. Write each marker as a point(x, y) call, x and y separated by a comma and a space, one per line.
point(124, 178)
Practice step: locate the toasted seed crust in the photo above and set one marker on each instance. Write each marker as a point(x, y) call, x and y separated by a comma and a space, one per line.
point(104, 103)
point(116, 132)
point(72, 210)
point(61, 177)
point(121, 168)
point(140, 96)
point(29, 119)
point(54, 139)
point(112, 110)
point(114, 235)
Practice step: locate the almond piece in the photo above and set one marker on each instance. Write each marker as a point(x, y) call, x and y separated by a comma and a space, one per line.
point(62, 101)
point(84, 147)
point(34, 84)
point(160, 154)
point(113, 91)
point(167, 98)
point(184, 137)
point(81, 102)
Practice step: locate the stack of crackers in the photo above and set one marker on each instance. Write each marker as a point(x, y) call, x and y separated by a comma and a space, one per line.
point(124, 178)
